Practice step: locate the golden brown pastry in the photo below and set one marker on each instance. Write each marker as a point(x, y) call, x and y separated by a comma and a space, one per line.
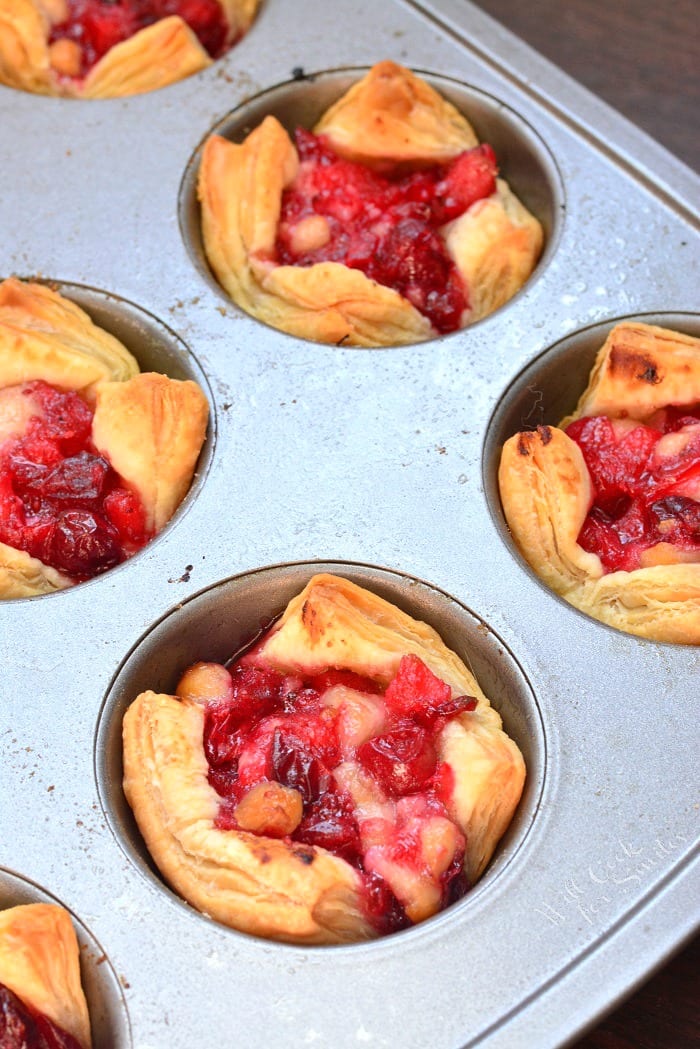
point(151, 428)
point(393, 123)
point(46, 336)
point(617, 532)
point(388, 746)
point(38, 53)
point(95, 457)
point(40, 965)
point(22, 575)
point(392, 117)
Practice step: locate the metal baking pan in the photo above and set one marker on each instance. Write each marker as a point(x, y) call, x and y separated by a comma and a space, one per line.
point(381, 464)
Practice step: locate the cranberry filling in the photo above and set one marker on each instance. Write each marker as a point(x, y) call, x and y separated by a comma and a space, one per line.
point(23, 1028)
point(61, 501)
point(326, 760)
point(97, 25)
point(403, 760)
point(329, 822)
point(646, 488)
point(340, 211)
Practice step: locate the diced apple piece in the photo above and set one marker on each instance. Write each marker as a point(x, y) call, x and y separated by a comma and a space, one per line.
point(420, 894)
point(254, 758)
point(16, 409)
point(270, 808)
point(621, 427)
point(367, 796)
point(309, 234)
point(667, 554)
point(205, 683)
point(57, 10)
point(681, 446)
point(360, 716)
point(375, 815)
point(672, 445)
point(376, 830)
point(439, 841)
point(66, 57)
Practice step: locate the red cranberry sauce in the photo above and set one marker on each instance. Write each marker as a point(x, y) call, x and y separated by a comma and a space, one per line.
point(61, 501)
point(23, 1028)
point(646, 485)
point(316, 734)
point(97, 25)
point(384, 226)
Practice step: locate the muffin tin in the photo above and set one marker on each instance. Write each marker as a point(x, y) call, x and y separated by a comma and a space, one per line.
point(103, 991)
point(379, 464)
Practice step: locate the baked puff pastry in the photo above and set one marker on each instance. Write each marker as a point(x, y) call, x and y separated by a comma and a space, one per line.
point(96, 49)
point(344, 779)
point(388, 225)
point(606, 507)
point(40, 989)
point(95, 456)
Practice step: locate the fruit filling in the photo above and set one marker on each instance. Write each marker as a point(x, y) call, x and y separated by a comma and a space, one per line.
point(387, 226)
point(330, 761)
point(91, 28)
point(24, 1028)
point(646, 488)
point(60, 500)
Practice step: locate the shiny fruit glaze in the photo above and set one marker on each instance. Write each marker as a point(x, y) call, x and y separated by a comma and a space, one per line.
point(646, 487)
point(340, 211)
point(23, 1028)
point(97, 25)
point(337, 742)
point(60, 500)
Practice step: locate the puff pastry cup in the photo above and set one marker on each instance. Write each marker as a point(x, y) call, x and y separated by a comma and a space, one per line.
point(149, 428)
point(546, 491)
point(390, 121)
point(40, 964)
point(159, 54)
point(271, 886)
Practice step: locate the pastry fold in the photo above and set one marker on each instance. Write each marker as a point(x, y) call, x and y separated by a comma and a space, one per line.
point(22, 575)
point(495, 245)
point(40, 963)
point(335, 623)
point(150, 428)
point(45, 336)
point(261, 886)
point(158, 55)
point(278, 889)
point(24, 54)
point(390, 119)
point(639, 369)
point(393, 117)
point(546, 490)
point(240, 189)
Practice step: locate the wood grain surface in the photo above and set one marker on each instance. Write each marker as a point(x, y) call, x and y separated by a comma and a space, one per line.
point(643, 59)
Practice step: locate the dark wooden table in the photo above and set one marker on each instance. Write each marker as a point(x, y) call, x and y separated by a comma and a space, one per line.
point(642, 58)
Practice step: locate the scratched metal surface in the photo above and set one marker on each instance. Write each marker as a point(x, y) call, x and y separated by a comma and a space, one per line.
point(375, 458)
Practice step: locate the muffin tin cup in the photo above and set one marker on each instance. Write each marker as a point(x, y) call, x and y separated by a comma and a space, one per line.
point(547, 391)
point(214, 624)
point(523, 157)
point(384, 463)
point(156, 348)
point(109, 1019)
